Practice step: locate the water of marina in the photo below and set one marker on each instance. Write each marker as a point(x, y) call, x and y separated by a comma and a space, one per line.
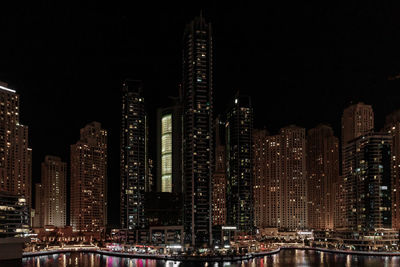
point(283, 258)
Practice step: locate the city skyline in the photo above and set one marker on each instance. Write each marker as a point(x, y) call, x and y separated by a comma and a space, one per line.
point(203, 133)
point(263, 116)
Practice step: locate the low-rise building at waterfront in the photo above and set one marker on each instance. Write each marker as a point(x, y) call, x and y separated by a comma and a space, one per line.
point(14, 225)
point(373, 240)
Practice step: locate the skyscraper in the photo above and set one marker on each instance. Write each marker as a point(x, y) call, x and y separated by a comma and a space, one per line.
point(89, 179)
point(15, 155)
point(322, 173)
point(169, 148)
point(280, 189)
point(54, 191)
point(266, 184)
point(367, 182)
point(133, 158)
point(219, 176)
point(239, 140)
point(392, 127)
point(357, 120)
point(197, 135)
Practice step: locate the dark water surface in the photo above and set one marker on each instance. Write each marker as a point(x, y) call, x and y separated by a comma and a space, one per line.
point(283, 258)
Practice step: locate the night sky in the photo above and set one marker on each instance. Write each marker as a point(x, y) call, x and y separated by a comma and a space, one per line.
point(300, 65)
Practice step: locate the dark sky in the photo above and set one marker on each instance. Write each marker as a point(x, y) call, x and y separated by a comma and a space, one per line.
point(300, 65)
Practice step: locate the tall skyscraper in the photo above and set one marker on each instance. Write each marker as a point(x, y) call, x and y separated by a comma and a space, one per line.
point(322, 174)
point(133, 158)
point(169, 148)
point(219, 176)
point(239, 140)
point(266, 184)
point(280, 189)
point(367, 182)
point(197, 134)
point(54, 191)
point(15, 155)
point(89, 179)
point(392, 127)
point(357, 120)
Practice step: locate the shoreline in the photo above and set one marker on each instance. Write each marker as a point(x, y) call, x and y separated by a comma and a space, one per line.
point(206, 259)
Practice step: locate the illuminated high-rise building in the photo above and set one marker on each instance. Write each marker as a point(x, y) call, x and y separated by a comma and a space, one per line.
point(280, 191)
point(15, 155)
point(322, 174)
point(367, 182)
point(197, 84)
point(169, 148)
point(134, 161)
point(392, 127)
point(357, 120)
point(293, 179)
point(266, 184)
point(219, 176)
point(239, 146)
point(54, 191)
point(89, 179)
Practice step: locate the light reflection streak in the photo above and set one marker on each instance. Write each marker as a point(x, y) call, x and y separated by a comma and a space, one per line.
point(348, 260)
point(92, 260)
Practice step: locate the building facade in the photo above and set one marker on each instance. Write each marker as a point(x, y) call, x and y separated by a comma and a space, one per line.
point(39, 207)
point(392, 127)
point(197, 84)
point(15, 154)
point(163, 209)
point(219, 176)
point(322, 174)
point(280, 191)
point(367, 182)
point(169, 148)
point(133, 158)
point(339, 205)
point(14, 215)
point(89, 179)
point(239, 141)
point(266, 189)
point(54, 191)
point(357, 120)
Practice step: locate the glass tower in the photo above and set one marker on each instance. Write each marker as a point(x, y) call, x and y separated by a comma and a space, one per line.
point(239, 131)
point(197, 132)
point(133, 159)
point(367, 182)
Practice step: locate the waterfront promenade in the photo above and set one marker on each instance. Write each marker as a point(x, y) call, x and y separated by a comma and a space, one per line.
point(211, 258)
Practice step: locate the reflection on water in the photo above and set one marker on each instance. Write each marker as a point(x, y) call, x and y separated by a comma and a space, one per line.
point(284, 258)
